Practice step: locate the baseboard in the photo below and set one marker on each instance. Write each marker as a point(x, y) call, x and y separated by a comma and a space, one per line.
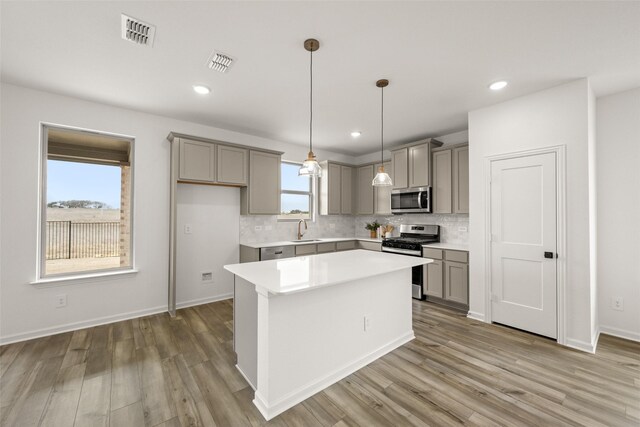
point(200, 301)
point(583, 345)
point(620, 333)
point(68, 327)
point(304, 392)
point(476, 316)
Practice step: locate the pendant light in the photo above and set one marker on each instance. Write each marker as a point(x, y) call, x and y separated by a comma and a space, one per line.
point(310, 167)
point(382, 179)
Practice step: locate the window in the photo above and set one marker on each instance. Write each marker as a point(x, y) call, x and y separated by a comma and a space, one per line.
point(296, 196)
point(86, 202)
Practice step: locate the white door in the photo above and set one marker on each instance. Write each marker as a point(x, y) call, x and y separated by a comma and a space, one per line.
point(523, 243)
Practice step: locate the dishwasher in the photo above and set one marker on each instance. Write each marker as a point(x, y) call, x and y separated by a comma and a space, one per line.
point(277, 252)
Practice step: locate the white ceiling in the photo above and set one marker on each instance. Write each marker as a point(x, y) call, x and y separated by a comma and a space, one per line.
point(438, 56)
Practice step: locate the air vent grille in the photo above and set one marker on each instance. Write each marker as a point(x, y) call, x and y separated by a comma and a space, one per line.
point(137, 31)
point(220, 62)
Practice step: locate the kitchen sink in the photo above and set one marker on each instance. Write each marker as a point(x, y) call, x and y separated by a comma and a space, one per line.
point(306, 240)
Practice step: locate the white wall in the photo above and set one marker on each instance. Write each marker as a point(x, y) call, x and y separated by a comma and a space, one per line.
point(214, 215)
point(28, 310)
point(618, 163)
point(557, 116)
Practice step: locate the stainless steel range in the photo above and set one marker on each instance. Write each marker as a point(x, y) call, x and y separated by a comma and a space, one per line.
point(412, 237)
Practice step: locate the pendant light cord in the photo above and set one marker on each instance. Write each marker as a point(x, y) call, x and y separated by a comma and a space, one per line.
point(311, 104)
point(382, 128)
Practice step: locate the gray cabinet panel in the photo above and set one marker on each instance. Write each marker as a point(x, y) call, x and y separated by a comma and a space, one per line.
point(262, 196)
point(364, 192)
point(346, 194)
point(370, 246)
point(461, 179)
point(419, 174)
point(302, 250)
point(433, 279)
point(456, 282)
point(326, 247)
point(334, 189)
point(346, 246)
point(197, 161)
point(442, 182)
point(399, 166)
point(233, 165)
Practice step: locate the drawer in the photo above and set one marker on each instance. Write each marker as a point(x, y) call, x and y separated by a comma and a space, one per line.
point(457, 256)
point(346, 246)
point(305, 250)
point(431, 253)
point(370, 246)
point(326, 247)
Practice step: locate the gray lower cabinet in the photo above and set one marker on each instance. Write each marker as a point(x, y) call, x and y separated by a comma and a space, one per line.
point(197, 161)
point(262, 196)
point(446, 279)
point(345, 246)
point(369, 246)
point(456, 282)
point(324, 248)
point(433, 279)
point(302, 250)
point(233, 165)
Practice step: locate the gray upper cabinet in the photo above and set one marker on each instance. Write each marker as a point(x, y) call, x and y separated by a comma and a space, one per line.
point(382, 195)
point(346, 195)
point(442, 200)
point(460, 160)
point(197, 161)
point(336, 189)
point(233, 165)
point(262, 196)
point(451, 180)
point(419, 161)
point(365, 190)
point(400, 168)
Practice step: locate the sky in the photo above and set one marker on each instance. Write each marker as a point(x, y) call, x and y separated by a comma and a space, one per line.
point(83, 181)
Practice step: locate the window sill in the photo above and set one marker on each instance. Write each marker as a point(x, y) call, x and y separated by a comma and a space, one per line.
point(80, 277)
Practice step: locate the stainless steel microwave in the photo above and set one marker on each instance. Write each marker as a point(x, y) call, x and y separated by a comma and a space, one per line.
point(411, 200)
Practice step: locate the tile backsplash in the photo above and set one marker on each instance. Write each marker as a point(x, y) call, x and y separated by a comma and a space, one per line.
point(262, 229)
point(259, 229)
point(454, 228)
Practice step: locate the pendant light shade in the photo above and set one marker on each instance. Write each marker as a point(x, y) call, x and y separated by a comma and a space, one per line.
point(310, 167)
point(382, 179)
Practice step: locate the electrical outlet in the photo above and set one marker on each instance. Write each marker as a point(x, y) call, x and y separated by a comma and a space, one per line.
point(367, 323)
point(258, 228)
point(617, 303)
point(61, 300)
point(462, 228)
point(187, 229)
point(207, 276)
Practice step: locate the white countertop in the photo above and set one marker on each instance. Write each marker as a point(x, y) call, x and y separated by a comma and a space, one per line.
point(450, 246)
point(311, 242)
point(290, 275)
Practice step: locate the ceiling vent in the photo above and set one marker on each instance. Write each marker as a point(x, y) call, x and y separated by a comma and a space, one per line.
point(137, 31)
point(219, 62)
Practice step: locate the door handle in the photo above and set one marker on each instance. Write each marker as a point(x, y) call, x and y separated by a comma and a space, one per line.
point(550, 255)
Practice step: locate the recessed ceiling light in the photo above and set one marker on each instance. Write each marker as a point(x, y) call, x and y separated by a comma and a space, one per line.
point(201, 89)
point(356, 133)
point(498, 85)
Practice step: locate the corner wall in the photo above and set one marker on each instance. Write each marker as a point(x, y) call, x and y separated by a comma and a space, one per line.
point(557, 116)
point(618, 163)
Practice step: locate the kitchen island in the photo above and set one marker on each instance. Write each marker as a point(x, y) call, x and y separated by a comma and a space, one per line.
point(302, 324)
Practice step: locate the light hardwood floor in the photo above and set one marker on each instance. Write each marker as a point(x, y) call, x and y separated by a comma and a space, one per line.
point(180, 372)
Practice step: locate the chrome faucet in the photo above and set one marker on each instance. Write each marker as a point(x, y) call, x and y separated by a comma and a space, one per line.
point(300, 234)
